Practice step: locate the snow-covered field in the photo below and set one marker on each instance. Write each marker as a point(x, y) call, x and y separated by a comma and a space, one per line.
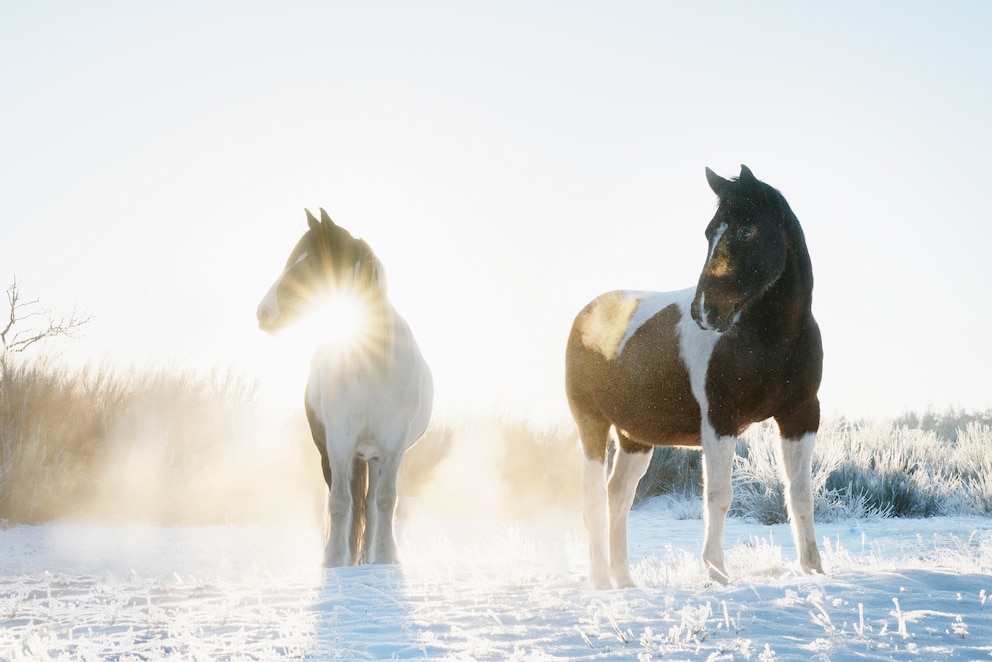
point(483, 589)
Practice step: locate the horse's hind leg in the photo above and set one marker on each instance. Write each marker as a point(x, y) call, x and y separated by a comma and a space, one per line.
point(380, 540)
point(594, 434)
point(629, 465)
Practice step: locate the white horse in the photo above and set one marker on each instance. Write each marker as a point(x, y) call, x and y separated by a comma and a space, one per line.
point(366, 403)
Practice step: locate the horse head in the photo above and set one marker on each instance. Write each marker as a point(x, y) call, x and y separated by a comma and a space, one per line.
point(747, 252)
point(326, 262)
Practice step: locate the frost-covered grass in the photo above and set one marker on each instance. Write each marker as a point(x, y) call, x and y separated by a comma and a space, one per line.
point(867, 469)
point(490, 534)
point(477, 589)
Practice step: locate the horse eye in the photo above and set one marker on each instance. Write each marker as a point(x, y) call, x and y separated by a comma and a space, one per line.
point(746, 233)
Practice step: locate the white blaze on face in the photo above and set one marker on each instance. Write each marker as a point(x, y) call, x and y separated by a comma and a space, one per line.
point(720, 231)
point(268, 309)
point(718, 266)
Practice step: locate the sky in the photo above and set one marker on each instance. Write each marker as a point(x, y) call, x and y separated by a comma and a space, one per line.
point(508, 162)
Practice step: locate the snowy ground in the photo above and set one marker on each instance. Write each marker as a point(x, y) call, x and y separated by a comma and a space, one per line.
point(476, 590)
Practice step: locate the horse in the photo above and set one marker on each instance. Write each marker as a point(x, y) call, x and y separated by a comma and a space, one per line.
point(696, 367)
point(366, 403)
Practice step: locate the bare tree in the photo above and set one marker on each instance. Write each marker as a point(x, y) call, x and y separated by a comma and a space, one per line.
point(22, 329)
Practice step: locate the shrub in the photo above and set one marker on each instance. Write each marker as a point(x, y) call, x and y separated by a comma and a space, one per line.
point(198, 447)
point(861, 469)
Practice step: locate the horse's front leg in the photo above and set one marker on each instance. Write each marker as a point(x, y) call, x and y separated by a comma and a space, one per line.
point(797, 460)
point(337, 551)
point(380, 509)
point(718, 463)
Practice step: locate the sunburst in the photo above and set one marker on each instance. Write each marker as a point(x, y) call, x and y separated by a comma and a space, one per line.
point(341, 320)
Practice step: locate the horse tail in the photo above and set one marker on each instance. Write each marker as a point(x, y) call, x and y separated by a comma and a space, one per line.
point(359, 490)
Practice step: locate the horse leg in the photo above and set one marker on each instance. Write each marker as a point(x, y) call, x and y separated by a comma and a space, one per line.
point(797, 459)
point(338, 551)
point(359, 492)
point(332, 556)
point(718, 463)
point(380, 509)
point(594, 434)
point(629, 465)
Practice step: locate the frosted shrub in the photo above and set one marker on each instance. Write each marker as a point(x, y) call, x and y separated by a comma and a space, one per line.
point(973, 454)
point(860, 470)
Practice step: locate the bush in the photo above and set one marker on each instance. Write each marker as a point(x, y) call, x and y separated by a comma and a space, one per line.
point(198, 447)
point(859, 470)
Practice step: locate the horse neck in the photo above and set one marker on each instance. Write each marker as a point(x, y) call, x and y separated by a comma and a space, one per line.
point(383, 326)
point(788, 303)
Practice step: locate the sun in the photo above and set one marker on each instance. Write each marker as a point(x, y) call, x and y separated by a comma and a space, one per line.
point(340, 321)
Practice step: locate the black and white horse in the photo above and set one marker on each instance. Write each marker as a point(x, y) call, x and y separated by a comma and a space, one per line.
point(695, 368)
point(366, 402)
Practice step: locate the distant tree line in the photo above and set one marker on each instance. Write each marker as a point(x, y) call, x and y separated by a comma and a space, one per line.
point(946, 424)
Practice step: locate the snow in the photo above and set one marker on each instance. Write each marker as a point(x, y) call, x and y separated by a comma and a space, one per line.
point(486, 589)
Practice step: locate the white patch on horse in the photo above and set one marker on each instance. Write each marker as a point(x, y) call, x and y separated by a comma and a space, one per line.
point(268, 309)
point(650, 304)
point(717, 236)
point(696, 348)
point(718, 266)
point(607, 321)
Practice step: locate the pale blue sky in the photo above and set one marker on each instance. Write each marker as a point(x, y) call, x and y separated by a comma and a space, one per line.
point(508, 161)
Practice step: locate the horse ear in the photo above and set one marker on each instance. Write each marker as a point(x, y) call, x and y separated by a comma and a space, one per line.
point(717, 183)
point(747, 177)
point(312, 221)
point(325, 218)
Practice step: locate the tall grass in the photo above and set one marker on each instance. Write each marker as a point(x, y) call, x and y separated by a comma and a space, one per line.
point(200, 447)
point(165, 445)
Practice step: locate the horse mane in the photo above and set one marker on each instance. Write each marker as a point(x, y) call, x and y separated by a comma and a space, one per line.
point(747, 193)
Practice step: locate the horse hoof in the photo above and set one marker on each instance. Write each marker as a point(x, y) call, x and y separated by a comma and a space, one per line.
point(601, 583)
point(625, 581)
point(719, 575)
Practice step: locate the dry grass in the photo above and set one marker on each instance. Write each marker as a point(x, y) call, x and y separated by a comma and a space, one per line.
point(180, 446)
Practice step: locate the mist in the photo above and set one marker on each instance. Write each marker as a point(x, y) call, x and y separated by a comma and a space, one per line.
point(178, 446)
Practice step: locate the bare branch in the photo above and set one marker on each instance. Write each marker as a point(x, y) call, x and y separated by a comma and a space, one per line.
point(14, 340)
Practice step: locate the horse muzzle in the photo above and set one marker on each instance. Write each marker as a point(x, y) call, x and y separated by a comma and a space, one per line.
point(711, 318)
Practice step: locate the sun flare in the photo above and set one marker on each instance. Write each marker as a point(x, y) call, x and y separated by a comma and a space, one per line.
point(340, 320)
